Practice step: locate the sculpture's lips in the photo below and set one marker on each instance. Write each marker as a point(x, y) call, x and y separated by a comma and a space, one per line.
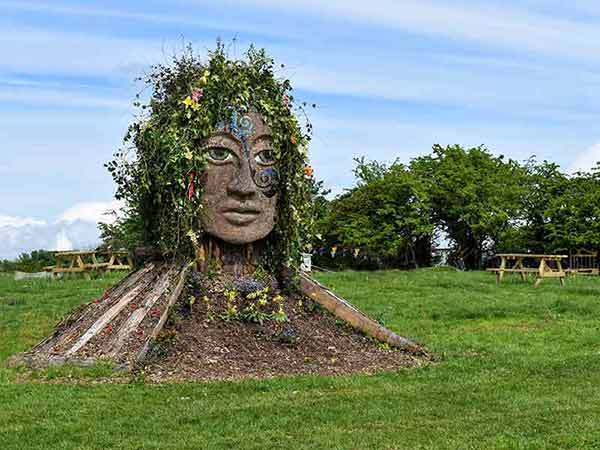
point(241, 215)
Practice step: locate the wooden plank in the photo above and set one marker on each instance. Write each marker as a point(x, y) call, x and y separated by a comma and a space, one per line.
point(523, 270)
point(530, 255)
point(131, 279)
point(108, 316)
point(345, 311)
point(75, 253)
point(113, 292)
point(552, 274)
point(140, 313)
point(118, 267)
point(96, 266)
point(163, 318)
point(68, 270)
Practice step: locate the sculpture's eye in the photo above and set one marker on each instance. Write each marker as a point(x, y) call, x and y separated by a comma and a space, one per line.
point(266, 157)
point(220, 155)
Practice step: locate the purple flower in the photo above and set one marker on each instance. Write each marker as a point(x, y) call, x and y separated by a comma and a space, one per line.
point(197, 94)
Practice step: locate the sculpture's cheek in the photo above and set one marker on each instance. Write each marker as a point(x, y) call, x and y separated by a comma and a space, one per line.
point(267, 180)
point(216, 179)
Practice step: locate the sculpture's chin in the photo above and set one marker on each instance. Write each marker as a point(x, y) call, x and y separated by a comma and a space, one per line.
point(239, 239)
point(239, 235)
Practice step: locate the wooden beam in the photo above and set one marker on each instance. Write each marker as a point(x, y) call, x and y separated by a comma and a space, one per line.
point(345, 311)
point(108, 316)
point(140, 313)
point(163, 318)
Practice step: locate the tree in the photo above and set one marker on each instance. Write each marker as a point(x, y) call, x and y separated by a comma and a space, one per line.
point(572, 216)
point(317, 210)
point(543, 182)
point(387, 214)
point(29, 262)
point(474, 196)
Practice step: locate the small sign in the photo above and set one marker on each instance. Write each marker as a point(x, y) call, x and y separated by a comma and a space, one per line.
point(306, 264)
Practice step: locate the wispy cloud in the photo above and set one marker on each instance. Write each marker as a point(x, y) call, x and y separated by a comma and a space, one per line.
point(12, 221)
point(63, 98)
point(502, 27)
point(36, 50)
point(142, 15)
point(92, 212)
point(586, 160)
point(76, 227)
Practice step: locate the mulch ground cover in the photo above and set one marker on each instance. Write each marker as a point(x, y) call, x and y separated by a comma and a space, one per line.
point(201, 343)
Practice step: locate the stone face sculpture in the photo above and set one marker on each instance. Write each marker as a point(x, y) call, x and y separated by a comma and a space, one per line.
point(237, 188)
point(240, 182)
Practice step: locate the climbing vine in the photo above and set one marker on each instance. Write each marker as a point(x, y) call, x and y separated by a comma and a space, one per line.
point(158, 170)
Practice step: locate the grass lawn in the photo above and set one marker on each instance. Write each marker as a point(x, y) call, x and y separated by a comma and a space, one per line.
point(517, 368)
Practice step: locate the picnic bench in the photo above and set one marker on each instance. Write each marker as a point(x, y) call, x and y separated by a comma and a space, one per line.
point(88, 261)
point(545, 266)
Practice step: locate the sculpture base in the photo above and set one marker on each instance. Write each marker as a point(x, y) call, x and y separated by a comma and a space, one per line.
point(178, 324)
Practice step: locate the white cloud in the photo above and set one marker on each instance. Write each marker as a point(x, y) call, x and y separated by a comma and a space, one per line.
point(45, 51)
point(61, 97)
point(198, 21)
point(12, 221)
point(586, 160)
point(49, 236)
point(91, 212)
point(504, 27)
point(63, 243)
point(75, 228)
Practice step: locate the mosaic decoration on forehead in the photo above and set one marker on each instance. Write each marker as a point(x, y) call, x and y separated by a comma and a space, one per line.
point(242, 126)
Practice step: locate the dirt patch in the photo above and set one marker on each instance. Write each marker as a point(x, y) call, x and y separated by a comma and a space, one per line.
point(218, 328)
point(203, 342)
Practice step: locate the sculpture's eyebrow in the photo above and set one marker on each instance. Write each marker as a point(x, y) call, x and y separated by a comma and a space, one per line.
point(262, 136)
point(221, 135)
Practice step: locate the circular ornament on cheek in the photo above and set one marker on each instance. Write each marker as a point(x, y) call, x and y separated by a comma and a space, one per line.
point(267, 179)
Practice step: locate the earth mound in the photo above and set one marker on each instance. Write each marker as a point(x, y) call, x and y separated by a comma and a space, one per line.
point(223, 328)
point(175, 324)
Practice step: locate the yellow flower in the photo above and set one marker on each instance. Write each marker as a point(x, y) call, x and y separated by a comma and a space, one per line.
point(204, 77)
point(189, 102)
point(188, 155)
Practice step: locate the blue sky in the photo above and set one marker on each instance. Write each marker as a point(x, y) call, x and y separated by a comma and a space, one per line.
point(391, 79)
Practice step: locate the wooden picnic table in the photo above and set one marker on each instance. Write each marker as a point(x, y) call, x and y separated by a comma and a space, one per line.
point(546, 266)
point(118, 260)
point(87, 261)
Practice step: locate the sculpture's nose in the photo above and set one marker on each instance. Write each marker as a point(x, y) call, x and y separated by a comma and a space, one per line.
point(242, 185)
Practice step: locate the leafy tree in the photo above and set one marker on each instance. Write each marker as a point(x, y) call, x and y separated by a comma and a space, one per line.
point(8, 265)
point(123, 233)
point(572, 216)
point(29, 262)
point(474, 196)
point(543, 182)
point(317, 210)
point(386, 214)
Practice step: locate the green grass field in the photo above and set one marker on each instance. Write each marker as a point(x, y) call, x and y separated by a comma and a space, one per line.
point(517, 368)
